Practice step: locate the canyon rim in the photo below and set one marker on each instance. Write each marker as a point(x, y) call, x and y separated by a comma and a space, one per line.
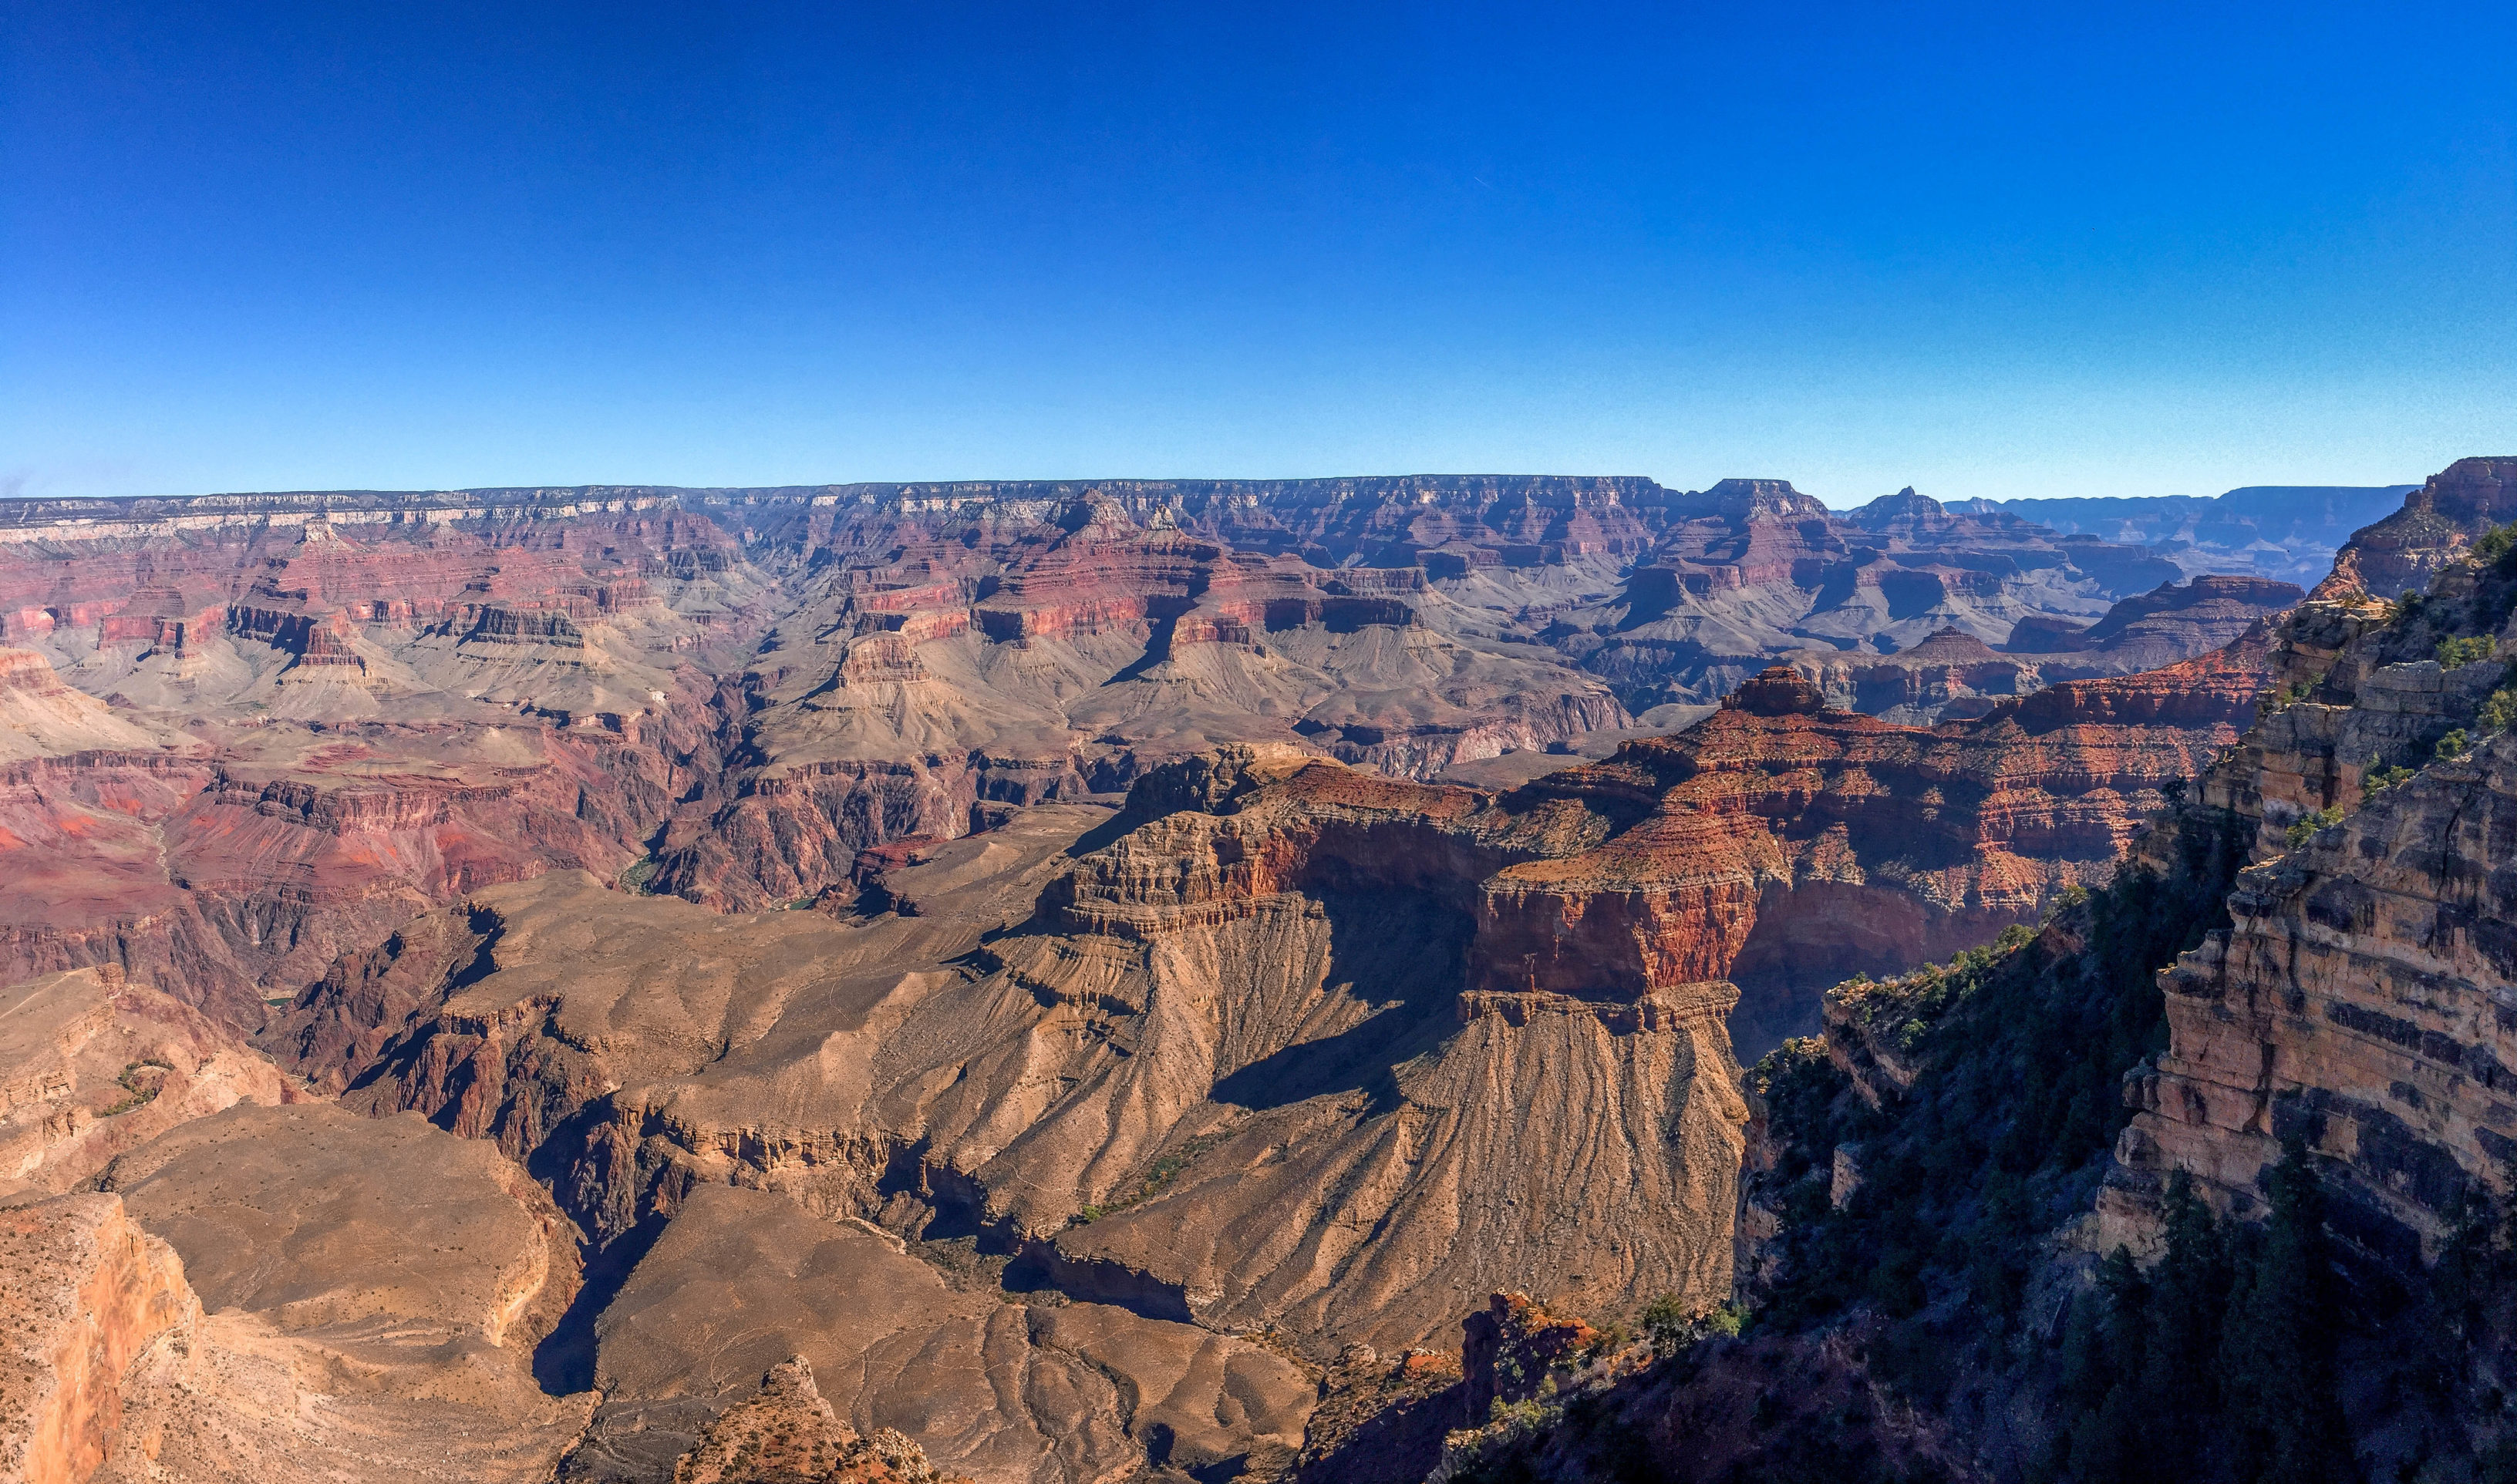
point(1365, 978)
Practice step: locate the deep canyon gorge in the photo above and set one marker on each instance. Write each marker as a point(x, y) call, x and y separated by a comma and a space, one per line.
point(1379, 978)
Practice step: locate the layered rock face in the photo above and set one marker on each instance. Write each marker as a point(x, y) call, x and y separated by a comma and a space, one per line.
point(2358, 1000)
point(2399, 554)
point(2287, 532)
point(1952, 675)
point(1794, 845)
point(221, 871)
point(93, 1065)
point(925, 649)
point(354, 1299)
point(89, 1292)
point(1754, 570)
point(339, 728)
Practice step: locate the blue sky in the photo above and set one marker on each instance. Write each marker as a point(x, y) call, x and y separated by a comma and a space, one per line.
point(2109, 250)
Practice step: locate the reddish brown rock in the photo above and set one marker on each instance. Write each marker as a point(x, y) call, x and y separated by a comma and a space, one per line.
point(2402, 552)
point(1512, 1348)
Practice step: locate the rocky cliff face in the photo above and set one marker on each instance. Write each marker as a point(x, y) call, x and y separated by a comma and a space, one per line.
point(1753, 569)
point(2400, 553)
point(92, 1066)
point(2294, 1138)
point(2356, 1003)
point(1952, 675)
point(2287, 532)
point(89, 1290)
point(2353, 1001)
point(288, 1295)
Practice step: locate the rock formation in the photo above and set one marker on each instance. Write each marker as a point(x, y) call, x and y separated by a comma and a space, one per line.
point(287, 1293)
point(2287, 532)
point(93, 1065)
point(2399, 554)
point(788, 1434)
point(1952, 675)
point(994, 960)
point(2353, 1002)
point(2207, 1166)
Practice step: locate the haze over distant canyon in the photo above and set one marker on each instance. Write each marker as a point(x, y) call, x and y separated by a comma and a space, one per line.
point(1142, 979)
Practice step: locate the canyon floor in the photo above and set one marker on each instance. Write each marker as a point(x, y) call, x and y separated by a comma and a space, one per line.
point(1196, 980)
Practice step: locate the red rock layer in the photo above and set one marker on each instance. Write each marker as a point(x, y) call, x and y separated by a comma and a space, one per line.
point(224, 877)
point(2402, 552)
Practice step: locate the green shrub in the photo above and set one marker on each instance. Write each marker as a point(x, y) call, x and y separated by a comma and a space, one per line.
point(1667, 1325)
point(2457, 654)
point(2499, 712)
point(2498, 548)
point(2454, 744)
point(2308, 824)
point(2383, 779)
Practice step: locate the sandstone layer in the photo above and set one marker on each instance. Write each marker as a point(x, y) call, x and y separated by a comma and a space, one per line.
point(93, 1065)
point(2359, 999)
point(2400, 553)
point(287, 1293)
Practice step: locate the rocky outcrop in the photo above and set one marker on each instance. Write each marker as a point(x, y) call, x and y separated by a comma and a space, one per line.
point(2401, 553)
point(284, 1294)
point(2358, 1002)
point(41, 717)
point(1752, 571)
point(789, 1433)
point(1513, 1348)
point(89, 1290)
point(220, 876)
point(2353, 1003)
point(982, 1381)
point(1952, 675)
point(2287, 532)
point(92, 1065)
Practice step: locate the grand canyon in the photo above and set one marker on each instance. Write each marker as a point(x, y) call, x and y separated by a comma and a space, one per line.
point(1376, 978)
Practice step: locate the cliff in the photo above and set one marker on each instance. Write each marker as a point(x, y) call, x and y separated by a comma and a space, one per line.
point(1952, 675)
point(93, 1065)
point(286, 1294)
point(2351, 1003)
point(2400, 553)
point(88, 1291)
point(2207, 1168)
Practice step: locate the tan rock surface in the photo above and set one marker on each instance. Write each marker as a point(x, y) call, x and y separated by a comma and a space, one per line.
point(982, 1383)
point(376, 1289)
point(788, 1434)
point(86, 1292)
point(92, 1065)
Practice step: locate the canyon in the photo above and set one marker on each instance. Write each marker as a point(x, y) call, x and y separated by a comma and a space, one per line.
point(1051, 981)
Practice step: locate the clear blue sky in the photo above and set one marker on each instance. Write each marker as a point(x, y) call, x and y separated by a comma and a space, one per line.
point(2109, 250)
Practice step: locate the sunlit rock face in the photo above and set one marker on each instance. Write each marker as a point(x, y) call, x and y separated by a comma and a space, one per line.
point(2359, 999)
point(951, 932)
